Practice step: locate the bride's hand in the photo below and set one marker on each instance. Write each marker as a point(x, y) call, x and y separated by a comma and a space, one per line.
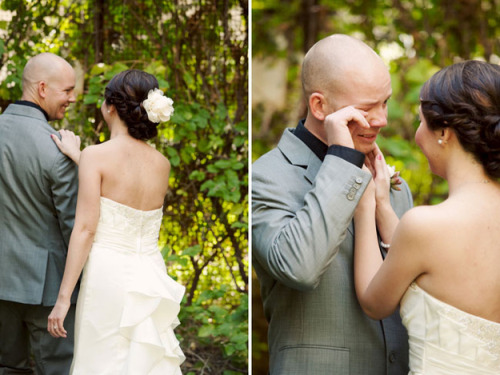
point(69, 144)
point(381, 175)
point(56, 319)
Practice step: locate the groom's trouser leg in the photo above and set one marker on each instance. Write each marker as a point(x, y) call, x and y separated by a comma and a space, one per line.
point(53, 356)
point(14, 340)
point(22, 326)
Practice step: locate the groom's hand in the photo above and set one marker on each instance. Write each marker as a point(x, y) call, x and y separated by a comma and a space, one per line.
point(338, 124)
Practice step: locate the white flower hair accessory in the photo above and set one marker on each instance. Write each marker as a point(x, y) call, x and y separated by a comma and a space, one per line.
point(158, 107)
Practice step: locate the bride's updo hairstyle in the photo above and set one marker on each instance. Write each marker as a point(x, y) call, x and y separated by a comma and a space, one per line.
point(127, 92)
point(466, 98)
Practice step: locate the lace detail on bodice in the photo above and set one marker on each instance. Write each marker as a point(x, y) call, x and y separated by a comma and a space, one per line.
point(446, 340)
point(487, 332)
point(127, 228)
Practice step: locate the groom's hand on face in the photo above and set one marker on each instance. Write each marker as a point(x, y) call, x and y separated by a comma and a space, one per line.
point(338, 124)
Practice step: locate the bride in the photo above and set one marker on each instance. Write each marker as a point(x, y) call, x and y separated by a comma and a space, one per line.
point(127, 305)
point(442, 265)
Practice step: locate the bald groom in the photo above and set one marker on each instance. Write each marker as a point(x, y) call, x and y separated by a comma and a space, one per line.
point(304, 193)
point(38, 187)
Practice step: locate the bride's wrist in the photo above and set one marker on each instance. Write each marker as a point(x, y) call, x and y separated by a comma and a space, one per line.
point(75, 156)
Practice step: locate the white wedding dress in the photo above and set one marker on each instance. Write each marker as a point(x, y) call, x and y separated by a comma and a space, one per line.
point(127, 306)
point(447, 341)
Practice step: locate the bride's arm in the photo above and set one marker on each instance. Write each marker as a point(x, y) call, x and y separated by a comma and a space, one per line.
point(82, 236)
point(386, 218)
point(69, 144)
point(367, 257)
point(380, 284)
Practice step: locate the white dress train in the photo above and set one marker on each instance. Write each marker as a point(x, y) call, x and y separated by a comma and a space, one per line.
point(128, 305)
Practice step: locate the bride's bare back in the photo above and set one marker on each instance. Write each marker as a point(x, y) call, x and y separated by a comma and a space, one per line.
point(132, 172)
point(462, 247)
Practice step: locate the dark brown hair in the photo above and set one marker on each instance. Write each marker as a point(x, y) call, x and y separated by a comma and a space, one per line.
point(126, 91)
point(466, 98)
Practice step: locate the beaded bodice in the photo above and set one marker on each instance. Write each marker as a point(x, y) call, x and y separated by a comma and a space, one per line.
point(445, 340)
point(125, 228)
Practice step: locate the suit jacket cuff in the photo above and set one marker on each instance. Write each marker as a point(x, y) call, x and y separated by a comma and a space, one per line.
point(348, 154)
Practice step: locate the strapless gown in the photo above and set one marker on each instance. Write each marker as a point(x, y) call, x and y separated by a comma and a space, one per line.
point(127, 306)
point(447, 341)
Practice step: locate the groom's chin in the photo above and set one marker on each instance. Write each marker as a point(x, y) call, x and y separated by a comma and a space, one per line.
point(365, 148)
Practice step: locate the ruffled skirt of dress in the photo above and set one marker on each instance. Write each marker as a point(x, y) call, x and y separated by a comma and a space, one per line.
point(126, 314)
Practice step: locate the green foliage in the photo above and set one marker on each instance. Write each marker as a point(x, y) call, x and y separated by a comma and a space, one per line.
point(198, 52)
point(216, 327)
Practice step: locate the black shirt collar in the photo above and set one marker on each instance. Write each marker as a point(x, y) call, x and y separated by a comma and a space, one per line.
point(34, 105)
point(316, 146)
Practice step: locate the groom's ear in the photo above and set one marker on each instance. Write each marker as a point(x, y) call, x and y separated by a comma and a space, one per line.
point(42, 89)
point(318, 106)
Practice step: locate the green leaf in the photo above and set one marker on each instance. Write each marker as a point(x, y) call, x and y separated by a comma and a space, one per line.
point(223, 164)
point(206, 330)
point(173, 156)
point(239, 338)
point(115, 69)
point(90, 99)
point(197, 175)
point(192, 251)
point(229, 350)
point(237, 165)
point(99, 69)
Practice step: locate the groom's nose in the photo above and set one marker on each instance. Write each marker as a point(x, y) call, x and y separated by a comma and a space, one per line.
point(72, 97)
point(377, 117)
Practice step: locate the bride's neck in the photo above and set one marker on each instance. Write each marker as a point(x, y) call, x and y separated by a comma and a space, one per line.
point(118, 129)
point(468, 175)
point(461, 169)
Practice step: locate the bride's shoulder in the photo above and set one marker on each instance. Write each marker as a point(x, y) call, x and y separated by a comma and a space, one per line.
point(163, 163)
point(92, 154)
point(93, 150)
point(425, 220)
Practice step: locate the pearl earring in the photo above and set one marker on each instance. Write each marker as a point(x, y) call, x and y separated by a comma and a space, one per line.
point(440, 141)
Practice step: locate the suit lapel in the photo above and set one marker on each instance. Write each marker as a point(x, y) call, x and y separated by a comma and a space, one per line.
point(299, 154)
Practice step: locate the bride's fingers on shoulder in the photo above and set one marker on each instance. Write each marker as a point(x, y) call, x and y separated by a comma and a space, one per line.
point(67, 134)
point(56, 140)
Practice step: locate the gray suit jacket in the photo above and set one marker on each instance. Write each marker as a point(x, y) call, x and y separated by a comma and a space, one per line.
point(302, 243)
point(38, 189)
